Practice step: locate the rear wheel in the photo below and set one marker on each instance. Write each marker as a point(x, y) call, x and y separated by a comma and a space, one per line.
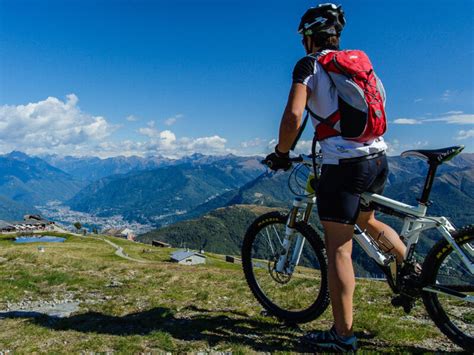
point(297, 296)
point(450, 288)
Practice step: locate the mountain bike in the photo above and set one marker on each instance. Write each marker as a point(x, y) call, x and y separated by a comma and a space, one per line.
point(285, 265)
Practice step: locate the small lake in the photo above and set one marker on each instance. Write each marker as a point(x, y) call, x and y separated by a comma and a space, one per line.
point(39, 239)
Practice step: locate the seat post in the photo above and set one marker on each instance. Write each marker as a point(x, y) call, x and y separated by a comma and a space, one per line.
point(429, 182)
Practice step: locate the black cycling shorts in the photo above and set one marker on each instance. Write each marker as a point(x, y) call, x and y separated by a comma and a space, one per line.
point(340, 187)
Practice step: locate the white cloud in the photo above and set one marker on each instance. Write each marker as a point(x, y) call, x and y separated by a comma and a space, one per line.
point(447, 95)
point(304, 147)
point(167, 144)
point(272, 143)
point(131, 118)
point(263, 147)
point(256, 142)
point(61, 127)
point(167, 139)
point(451, 117)
point(406, 121)
point(50, 126)
point(464, 118)
point(465, 134)
point(395, 147)
point(172, 120)
point(149, 132)
point(214, 143)
point(418, 100)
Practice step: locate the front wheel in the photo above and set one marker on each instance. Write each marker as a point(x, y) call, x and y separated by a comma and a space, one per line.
point(293, 293)
point(449, 288)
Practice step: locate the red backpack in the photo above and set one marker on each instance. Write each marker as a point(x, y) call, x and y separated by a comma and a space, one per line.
point(361, 114)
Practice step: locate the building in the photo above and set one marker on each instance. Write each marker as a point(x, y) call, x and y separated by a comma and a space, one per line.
point(233, 259)
point(160, 244)
point(31, 223)
point(128, 233)
point(184, 257)
point(6, 227)
point(125, 233)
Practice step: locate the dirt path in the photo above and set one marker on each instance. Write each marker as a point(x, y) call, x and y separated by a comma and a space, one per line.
point(120, 252)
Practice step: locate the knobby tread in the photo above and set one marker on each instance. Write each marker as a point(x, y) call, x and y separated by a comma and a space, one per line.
point(321, 302)
point(430, 269)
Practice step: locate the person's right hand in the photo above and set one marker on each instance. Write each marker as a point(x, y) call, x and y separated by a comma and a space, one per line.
point(278, 160)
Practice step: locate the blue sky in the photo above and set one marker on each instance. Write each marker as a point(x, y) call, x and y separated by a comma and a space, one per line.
point(174, 77)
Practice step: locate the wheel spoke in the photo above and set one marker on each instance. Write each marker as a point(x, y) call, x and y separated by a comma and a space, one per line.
point(270, 242)
point(451, 296)
point(289, 293)
point(278, 235)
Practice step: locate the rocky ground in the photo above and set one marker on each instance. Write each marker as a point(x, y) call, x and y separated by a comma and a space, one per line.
point(79, 296)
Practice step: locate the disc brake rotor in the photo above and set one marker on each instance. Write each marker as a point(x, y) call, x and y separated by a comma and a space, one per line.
point(279, 277)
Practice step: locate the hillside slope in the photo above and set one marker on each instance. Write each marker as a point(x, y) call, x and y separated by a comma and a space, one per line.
point(163, 195)
point(122, 306)
point(11, 210)
point(452, 190)
point(32, 181)
point(222, 231)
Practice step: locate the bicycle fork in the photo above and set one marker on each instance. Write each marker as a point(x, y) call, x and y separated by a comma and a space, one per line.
point(287, 260)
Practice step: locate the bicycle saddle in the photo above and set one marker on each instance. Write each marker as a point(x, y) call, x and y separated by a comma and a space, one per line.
point(438, 156)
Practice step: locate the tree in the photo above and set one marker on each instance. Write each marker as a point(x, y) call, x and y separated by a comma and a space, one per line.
point(78, 225)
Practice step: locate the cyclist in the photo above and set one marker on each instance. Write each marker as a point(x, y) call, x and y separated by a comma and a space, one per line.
point(349, 168)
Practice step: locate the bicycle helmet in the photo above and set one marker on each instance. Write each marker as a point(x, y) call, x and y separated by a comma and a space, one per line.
point(325, 19)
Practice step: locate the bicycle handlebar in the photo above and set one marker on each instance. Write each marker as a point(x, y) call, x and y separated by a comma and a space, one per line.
point(269, 163)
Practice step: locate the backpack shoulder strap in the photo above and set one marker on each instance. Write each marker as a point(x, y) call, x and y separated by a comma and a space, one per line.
point(300, 132)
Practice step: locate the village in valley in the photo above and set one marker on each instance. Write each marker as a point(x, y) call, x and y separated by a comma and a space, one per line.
point(34, 224)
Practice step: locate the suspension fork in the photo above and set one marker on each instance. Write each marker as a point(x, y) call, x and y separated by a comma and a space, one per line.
point(282, 264)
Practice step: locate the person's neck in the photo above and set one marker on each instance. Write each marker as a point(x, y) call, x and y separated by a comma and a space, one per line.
point(315, 50)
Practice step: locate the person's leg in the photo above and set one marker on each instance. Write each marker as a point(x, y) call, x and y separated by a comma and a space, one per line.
point(340, 274)
point(387, 239)
point(338, 206)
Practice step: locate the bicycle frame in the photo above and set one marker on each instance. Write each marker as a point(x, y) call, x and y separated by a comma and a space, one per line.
point(415, 221)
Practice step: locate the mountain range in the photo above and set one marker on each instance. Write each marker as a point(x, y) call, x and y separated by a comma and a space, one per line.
point(201, 200)
point(32, 181)
point(161, 191)
point(165, 194)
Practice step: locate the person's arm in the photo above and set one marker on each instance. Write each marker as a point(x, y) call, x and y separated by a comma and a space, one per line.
point(303, 74)
point(291, 120)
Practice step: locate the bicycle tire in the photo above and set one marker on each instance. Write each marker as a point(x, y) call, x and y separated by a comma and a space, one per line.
point(438, 270)
point(321, 296)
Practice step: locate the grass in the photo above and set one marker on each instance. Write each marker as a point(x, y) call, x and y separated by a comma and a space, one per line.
point(161, 306)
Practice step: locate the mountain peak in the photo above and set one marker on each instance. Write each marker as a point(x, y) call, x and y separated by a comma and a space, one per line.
point(17, 155)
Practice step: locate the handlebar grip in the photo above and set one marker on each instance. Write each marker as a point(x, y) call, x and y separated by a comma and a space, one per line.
point(268, 163)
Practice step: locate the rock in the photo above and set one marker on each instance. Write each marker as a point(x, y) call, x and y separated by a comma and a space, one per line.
point(114, 283)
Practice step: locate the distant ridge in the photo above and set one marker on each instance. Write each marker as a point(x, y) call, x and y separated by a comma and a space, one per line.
point(11, 210)
point(32, 181)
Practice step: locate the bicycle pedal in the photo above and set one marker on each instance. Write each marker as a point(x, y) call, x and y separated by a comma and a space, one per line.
point(407, 308)
point(403, 301)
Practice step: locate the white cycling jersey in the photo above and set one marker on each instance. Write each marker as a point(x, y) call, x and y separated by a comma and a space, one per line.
point(323, 101)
